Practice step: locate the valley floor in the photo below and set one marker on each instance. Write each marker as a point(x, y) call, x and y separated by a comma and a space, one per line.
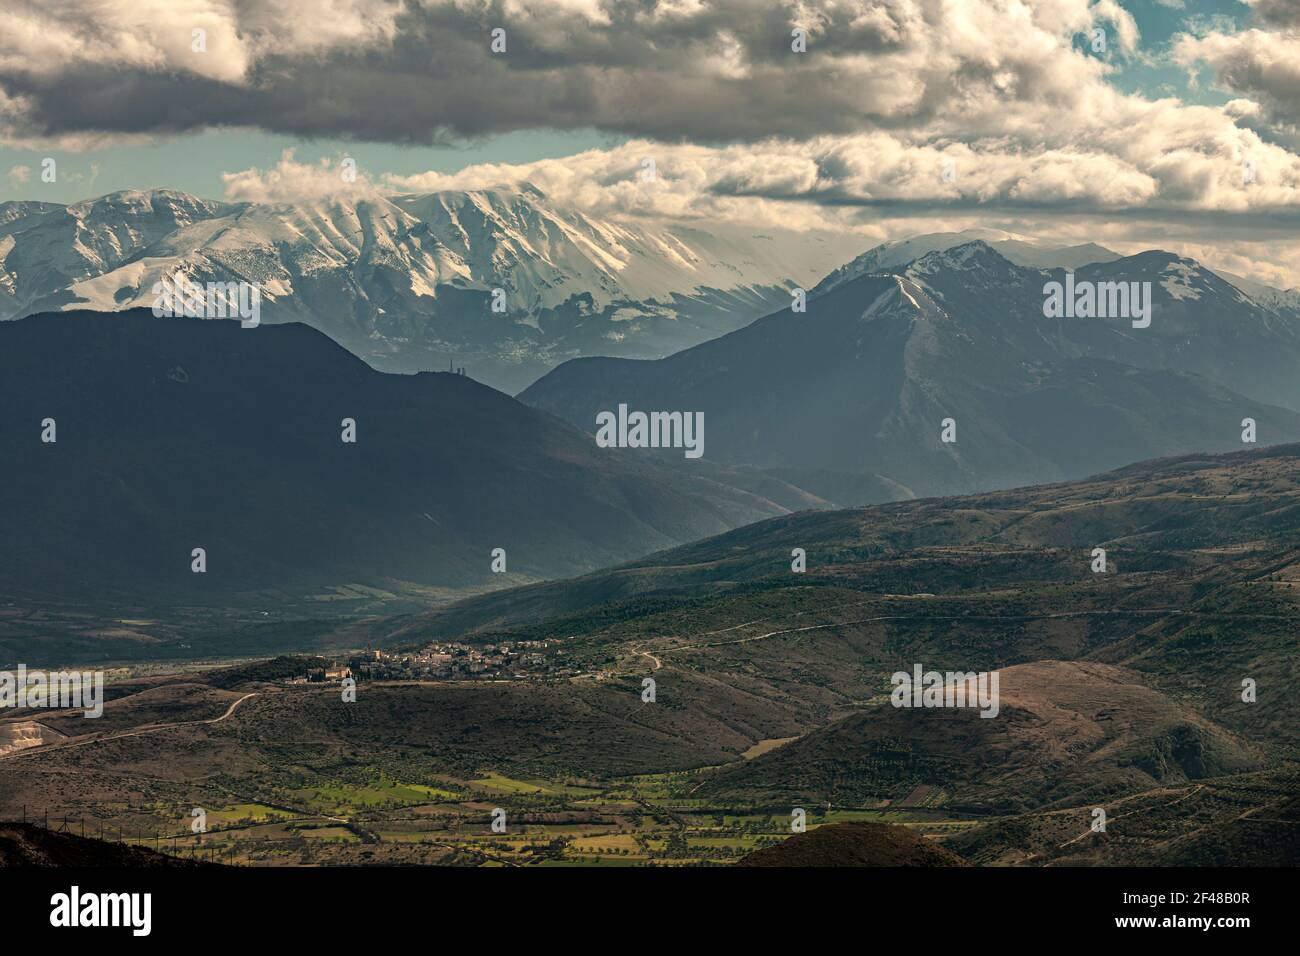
point(389, 805)
point(686, 709)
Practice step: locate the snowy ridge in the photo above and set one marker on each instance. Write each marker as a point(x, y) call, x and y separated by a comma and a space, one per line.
point(478, 239)
point(403, 280)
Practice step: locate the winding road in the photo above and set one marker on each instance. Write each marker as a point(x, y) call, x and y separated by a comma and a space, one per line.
point(138, 732)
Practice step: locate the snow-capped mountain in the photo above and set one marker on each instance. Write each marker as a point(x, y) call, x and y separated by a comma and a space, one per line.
point(45, 248)
point(1284, 301)
point(858, 386)
point(1033, 253)
point(406, 281)
point(1021, 250)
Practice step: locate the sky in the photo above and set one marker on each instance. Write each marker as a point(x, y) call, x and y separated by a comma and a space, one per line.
point(1132, 123)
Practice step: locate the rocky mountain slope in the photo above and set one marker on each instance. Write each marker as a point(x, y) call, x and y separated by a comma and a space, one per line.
point(863, 382)
point(406, 281)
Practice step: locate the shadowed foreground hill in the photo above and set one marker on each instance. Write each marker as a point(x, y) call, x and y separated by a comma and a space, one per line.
point(175, 434)
point(25, 844)
point(854, 844)
point(1250, 819)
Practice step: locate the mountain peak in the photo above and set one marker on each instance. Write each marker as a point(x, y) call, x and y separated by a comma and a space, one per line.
point(136, 202)
point(1182, 277)
point(1162, 257)
point(124, 197)
point(1024, 251)
point(975, 255)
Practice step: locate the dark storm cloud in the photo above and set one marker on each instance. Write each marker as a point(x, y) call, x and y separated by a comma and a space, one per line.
point(724, 72)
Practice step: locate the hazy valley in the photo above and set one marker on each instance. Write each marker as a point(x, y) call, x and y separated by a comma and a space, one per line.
point(1120, 690)
point(638, 656)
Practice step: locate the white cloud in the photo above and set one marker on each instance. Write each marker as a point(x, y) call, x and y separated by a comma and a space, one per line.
point(1135, 174)
point(852, 133)
point(292, 181)
point(1127, 155)
point(44, 37)
point(1263, 64)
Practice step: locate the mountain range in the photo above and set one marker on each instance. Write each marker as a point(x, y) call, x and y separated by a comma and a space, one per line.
point(850, 397)
point(171, 434)
point(174, 430)
point(405, 281)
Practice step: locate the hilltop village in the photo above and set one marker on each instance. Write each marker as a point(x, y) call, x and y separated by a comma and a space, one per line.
point(516, 660)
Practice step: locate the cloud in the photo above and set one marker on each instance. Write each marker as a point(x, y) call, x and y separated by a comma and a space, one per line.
point(1130, 172)
point(1281, 12)
point(423, 72)
point(1123, 155)
point(46, 39)
point(217, 39)
point(854, 132)
point(291, 181)
point(1264, 65)
point(884, 189)
point(18, 175)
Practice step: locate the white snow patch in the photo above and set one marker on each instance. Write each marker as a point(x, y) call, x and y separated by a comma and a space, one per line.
point(1177, 281)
